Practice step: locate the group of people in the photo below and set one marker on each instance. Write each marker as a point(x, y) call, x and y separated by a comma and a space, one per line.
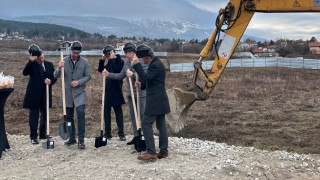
point(153, 99)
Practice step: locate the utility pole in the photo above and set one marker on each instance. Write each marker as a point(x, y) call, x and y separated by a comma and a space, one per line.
point(182, 42)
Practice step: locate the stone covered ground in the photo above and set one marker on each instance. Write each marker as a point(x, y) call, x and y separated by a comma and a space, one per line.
point(188, 159)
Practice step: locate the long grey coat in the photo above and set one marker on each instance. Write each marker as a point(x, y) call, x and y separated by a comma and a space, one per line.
point(81, 72)
point(123, 74)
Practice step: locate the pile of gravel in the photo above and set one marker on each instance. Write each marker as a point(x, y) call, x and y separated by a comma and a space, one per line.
point(188, 159)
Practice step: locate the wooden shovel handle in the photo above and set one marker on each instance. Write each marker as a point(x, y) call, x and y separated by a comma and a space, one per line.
point(63, 88)
point(47, 108)
point(133, 101)
point(103, 94)
point(138, 105)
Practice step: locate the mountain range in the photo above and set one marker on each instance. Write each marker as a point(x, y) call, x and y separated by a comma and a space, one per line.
point(128, 28)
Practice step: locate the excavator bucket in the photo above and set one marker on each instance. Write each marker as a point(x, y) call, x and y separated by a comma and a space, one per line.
point(180, 100)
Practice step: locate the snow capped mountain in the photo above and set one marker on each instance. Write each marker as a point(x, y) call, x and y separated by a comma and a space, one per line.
point(127, 28)
point(119, 27)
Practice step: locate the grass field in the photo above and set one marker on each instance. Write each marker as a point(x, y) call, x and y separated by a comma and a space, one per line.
point(268, 108)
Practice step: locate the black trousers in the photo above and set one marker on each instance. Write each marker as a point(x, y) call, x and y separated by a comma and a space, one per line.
point(119, 119)
point(34, 119)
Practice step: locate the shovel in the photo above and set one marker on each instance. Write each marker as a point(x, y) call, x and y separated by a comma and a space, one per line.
point(65, 126)
point(101, 140)
point(139, 142)
point(49, 143)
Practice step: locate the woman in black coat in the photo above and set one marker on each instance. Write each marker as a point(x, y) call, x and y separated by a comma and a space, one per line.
point(40, 72)
point(113, 95)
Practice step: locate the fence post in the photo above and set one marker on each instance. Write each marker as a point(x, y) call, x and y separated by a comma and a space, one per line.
point(168, 63)
point(290, 63)
point(265, 62)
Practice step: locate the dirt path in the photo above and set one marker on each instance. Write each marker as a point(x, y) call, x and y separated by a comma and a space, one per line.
point(189, 159)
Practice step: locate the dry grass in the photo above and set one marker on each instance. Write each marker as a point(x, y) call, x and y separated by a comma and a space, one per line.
point(269, 108)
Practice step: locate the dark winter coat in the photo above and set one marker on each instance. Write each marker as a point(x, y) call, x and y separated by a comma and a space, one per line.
point(36, 86)
point(157, 102)
point(113, 95)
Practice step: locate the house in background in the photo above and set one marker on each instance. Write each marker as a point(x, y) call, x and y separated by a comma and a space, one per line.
point(65, 46)
point(299, 41)
point(245, 47)
point(269, 51)
point(314, 47)
point(120, 45)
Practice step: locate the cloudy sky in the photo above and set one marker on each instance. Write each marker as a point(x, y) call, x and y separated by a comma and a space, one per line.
point(203, 12)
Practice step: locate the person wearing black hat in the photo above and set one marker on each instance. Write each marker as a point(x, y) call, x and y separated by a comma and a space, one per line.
point(113, 94)
point(130, 52)
point(41, 73)
point(157, 103)
point(76, 75)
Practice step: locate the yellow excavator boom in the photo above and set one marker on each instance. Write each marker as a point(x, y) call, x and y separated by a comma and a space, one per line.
point(232, 21)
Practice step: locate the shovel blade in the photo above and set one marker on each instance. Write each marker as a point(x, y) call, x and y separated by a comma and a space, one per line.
point(139, 142)
point(100, 141)
point(180, 101)
point(65, 130)
point(48, 144)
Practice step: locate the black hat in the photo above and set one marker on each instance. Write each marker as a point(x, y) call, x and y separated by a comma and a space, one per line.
point(76, 47)
point(34, 50)
point(106, 50)
point(144, 51)
point(129, 47)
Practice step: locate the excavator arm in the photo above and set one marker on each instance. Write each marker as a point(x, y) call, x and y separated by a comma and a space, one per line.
point(232, 21)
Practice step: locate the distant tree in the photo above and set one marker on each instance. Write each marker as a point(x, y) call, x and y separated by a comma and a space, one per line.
point(313, 39)
point(204, 42)
point(111, 37)
point(174, 45)
point(271, 43)
point(249, 40)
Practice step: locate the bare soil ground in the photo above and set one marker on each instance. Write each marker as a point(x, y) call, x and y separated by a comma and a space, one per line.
point(268, 108)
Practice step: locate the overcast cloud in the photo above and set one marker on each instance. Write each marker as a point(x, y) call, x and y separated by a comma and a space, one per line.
point(203, 12)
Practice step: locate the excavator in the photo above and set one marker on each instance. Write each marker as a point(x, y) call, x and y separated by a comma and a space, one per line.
point(231, 21)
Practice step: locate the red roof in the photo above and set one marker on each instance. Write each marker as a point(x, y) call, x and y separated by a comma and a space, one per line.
point(314, 44)
point(271, 47)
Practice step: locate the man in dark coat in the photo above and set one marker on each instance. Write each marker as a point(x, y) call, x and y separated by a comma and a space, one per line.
point(157, 104)
point(130, 52)
point(41, 73)
point(113, 94)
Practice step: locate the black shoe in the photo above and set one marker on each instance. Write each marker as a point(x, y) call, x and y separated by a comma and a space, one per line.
point(34, 141)
point(70, 142)
point(81, 145)
point(108, 136)
point(43, 137)
point(122, 138)
point(131, 142)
